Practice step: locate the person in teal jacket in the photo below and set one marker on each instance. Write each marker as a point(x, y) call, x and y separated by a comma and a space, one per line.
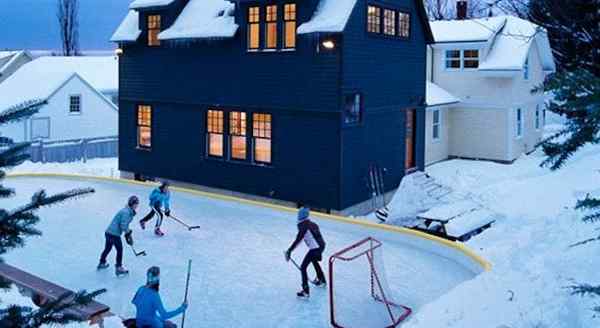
point(159, 198)
point(119, 226)
point(150, 312)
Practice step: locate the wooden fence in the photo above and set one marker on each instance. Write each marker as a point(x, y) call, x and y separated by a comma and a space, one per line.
point(74, 150)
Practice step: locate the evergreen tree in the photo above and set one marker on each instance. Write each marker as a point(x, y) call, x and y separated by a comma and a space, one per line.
point(574, 30)
point(18, 224)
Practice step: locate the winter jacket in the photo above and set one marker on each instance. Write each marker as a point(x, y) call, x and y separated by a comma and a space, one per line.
point(150, 310)
point(120, 223)
point(160, 199)
point(309, 231)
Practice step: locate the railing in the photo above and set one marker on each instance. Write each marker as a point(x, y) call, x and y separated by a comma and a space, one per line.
point(74, 149)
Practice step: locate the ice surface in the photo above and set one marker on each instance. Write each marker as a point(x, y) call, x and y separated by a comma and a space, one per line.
point(330, 16)
point(239, 277)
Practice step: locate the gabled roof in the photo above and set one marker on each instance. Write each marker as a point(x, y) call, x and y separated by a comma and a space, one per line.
point(42, 77)
point(203, 19)
point(510, 40)
point(129, 30)
point(139, 4)
point(436, 96)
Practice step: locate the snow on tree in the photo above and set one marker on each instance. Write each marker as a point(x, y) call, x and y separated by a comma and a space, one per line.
point(17, 224)
point(574, 30)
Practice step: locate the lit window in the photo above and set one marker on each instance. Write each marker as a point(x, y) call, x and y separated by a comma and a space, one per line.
point(271, 27)
point(144, 125)
point(215, 133)
point(75, 104)
point(453, 59)
point(253, 28)
point(237, 132)
point(374, 19)
point(471, 58)
point(153, 30)
point(404, 24)
point(261, 131)
point(352, 108)
point(289, 25)
point(519, 123)
point(437, 124)
point(526, 69)
point(389, 22)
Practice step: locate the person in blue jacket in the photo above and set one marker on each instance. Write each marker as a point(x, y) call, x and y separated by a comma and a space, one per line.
point(159, 198)
point(150, 312)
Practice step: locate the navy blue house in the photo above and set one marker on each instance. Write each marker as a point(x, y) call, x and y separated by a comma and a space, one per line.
point(281, 99)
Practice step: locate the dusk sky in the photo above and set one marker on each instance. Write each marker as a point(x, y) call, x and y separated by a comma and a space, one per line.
point(32, 24)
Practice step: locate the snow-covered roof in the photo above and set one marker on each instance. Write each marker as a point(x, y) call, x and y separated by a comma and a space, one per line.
point(511, 46)
point(203, 19)
point(138, 4)
point(436, 96)
point(4, 54)
point(40, 78)
point(8, 57)
point(129, 30)
point(330, 16)
point(472, 30)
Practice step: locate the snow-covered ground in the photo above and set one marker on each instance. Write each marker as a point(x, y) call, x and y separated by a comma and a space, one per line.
point(102, 167)
point(239, 277)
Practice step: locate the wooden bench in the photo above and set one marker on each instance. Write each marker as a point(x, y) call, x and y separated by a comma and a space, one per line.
point(42, 291)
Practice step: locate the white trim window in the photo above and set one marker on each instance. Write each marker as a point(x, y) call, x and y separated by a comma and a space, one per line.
point(452, 59)
point(537, 117)
point(75, 104)
point(40, 128)
point(437, 125)
point(520, 124)
point(526, 70)
point(458, 60)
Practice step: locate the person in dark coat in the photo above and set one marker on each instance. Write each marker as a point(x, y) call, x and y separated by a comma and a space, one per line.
point(310, 233)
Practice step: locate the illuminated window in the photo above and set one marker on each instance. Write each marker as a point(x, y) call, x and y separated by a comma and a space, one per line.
point(144, 126)
point(389, 22)
point(253, 28)
point(153, 30)
point(261, 131)
point(471, 58)
point(374, 19)
point(289, 26)
point(215, 133)
point(352, 108)
point(271, 37)
point(404, 24)
point(237, 134)
point(453, 59)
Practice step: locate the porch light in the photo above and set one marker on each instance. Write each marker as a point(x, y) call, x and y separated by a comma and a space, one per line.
point(118, 51)
point(328, 44)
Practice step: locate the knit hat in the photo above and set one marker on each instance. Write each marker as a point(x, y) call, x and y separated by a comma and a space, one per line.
point(153, 276)
point(164, 184)
point(132, 201)
point(303, 214)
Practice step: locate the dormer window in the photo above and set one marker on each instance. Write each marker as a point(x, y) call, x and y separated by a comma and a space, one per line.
point(254, 28)
point(374, 19)
point(462, 59)
point(471, 59)
point(271, 27)
point(153, 30)
point(289, 11)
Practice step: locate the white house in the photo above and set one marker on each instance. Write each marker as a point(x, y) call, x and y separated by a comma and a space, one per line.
point(488, 69)
point(79, 92)
point(11, 61)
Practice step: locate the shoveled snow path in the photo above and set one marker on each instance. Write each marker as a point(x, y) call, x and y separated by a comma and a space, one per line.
point(239, 276)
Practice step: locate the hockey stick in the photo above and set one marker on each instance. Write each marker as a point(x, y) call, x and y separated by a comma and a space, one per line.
point(189, 227)
point(142, 253)
point(187, 287)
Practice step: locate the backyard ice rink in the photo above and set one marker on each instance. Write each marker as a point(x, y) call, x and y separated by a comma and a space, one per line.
point(239, 277)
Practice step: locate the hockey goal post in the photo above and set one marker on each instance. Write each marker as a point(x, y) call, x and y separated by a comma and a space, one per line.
point(359, 295)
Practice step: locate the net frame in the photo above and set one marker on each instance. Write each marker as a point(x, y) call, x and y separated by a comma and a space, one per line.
point(376, 281)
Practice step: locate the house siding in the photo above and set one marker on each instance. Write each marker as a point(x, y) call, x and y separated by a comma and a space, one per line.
point(437, 150)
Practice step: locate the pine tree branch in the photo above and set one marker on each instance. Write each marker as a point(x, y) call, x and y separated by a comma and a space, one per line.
point(14, 155)
point(585, 290)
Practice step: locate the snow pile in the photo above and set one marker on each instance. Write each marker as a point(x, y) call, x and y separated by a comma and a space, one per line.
point(330, 16)
point(409, 201)
point(13, 297)
point(203, 19)
point(129, 30)
point(472, 30)
point(436, 96)
point(138, 4)
point(529, 248)
point(102, 167)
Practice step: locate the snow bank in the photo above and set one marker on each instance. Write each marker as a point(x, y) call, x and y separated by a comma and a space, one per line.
point(129, 30)
point(203, 19)
point(330, 16)
point(138, 4)
point(436, 96)
point(102, 167)
point(529, 249)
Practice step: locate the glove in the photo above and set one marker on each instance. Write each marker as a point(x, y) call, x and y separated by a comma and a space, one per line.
point(129, 238)
point(168, 212)
point(288, 255)
point(184, 306)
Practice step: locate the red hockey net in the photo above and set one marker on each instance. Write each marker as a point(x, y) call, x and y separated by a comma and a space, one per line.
point(359, 294)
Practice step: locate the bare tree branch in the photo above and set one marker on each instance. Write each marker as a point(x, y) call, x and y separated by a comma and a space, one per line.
point(67, 14)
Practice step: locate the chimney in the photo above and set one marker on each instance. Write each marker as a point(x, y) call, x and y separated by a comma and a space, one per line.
point(461, 9)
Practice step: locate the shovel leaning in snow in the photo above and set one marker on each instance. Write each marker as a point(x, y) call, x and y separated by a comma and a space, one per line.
point(189, 227)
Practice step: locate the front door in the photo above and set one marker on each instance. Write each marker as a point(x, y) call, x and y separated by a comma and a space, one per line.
point(410, 139)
